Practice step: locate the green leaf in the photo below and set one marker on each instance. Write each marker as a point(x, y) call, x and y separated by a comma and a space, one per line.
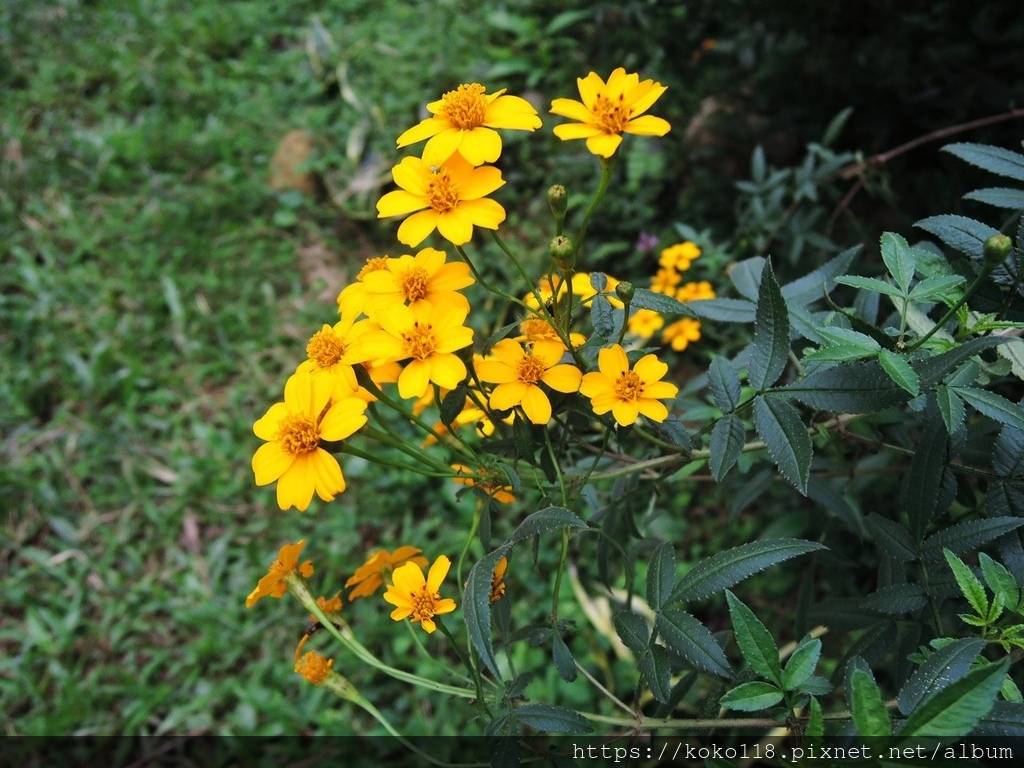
point(770, 349)
point(932, 287)
point(633, 630)
point(746, 276)
point(943, 667)
point(992, 405)
point(661, 575)
point(786, 436)
point(898, 258)
point(836, 335)
point(869, 713)
point(959, 232)
point(967, 536)
point(1002, 162)
point(870, 284)
point(933, 370)
point(452, 403)
point(750, 697)
point(897, 599)
point(599, 281)
point(801, 664)
point(725, 569)
point(1005, 719)
point(1001, 197)
point(564, 662)
point(968, 583)
point(476, 607)
point(924, 480)
point(724, 383)
point(899, 370)
point(861, 387)
point(726, 444)
point(951, 408)
point(545, 521)
point(957, 708)
point(656, 667)
point(755, 641)
point(673, 430)
point(815, 730)
point(545, 717)
point(893, 538)
point(838, 353)
point(644, 298)
point(725, 310)
point(602, 318)
point(693, 641)
point(1008, 460)
point(814, 285)
point(1000, 581)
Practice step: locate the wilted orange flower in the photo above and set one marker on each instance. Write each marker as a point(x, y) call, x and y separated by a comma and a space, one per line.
point(313, 667)
point(498, 580)
point(370, 575)
point(272, 585)
point(490, 485)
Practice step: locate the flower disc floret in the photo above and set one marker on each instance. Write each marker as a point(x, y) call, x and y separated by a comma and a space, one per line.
point(518, 373)
point(313, 667)
point(626, 392)
point(417, 598)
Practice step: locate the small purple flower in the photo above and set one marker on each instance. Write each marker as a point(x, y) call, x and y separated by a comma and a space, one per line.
point(646, 242)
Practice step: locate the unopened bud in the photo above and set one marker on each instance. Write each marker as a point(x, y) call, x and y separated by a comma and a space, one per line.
point(558, 200)
point(625, 291)
point(563, 253)
point(997, 248)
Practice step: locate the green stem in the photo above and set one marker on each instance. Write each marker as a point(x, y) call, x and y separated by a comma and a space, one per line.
point(352, 451)
point(607, 164)
point(462, 657)
point(405, 447)
point(975, 285)
point(486, 285)
point(558, 575)
point(469, 539)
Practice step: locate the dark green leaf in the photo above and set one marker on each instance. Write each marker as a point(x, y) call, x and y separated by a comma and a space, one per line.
point(933, 370)
point(802, 663)
point(1008, 459)
point(870, 284)
point(545, 717)
point(861, 387)
point(997, 160)
point(746, 276)
point(661, 575)
point(725, 569)
point(599, 281)
point(673, 430)
point(816, 686)
point(959, 232)
point(896, 598)
point(1001, 197)
point(932, 287)
point(968, 583)
point(726, 444)
point(943, 667)
point(544, 521)
point(1000, 580)
point(869, 713)
point(476, 607)
point(644, 298)
point(564, 662)
point(755, 641)
point(1005, 719)
point(899, 370)
point(967, 536)
point(725, 310)
point(724, 383)
point(893, 538)
point(770, 349)
point(507, 751)
point(957, 708)
point(898, 258)
point(633, 630)
point(837, 335)
point(951, 407)
point(751, 697)
point(452, 404)
point(601, 317)
point(690, 639)
point(924, 480)
point(656, 667)
point(825, 493)
point(500, 334)
point(784, 433)
point(815, 730)
point(816, 284)
point(992, 405)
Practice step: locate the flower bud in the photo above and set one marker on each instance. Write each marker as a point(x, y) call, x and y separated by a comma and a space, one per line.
point(558, 200)
point(563, 253)
point(625, 291)
point(997, 248)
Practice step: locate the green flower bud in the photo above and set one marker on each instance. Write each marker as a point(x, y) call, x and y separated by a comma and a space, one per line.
point(563, 253)
point(625, 291)
point(997, 248)
point(558, 200)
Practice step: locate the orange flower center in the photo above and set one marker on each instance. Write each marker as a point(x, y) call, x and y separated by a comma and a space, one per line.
point(423, 603)
point(442, 192)
point(375, 264)
point(612, 115)
point(419, 341)
point(298, 435)
point(313, 667)
point(413, 283)
point(325, 348)
point(536, 330)
point(466, 107)
point(530, 369)
point(629, 386)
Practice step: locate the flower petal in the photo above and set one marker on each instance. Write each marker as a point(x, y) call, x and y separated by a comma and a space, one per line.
point(650, 369)
point(445, 144)
point(270, 462)
point(407, 578)
point(512, 112)
point(414, 230)
point(613, 361)
point(605, 144)
point(570, 131)
point(625, 412)
point(399, 203)
point(447, 370)
point(295, 487)
point(423, 130)
point(437, 573)
point(506, 396)
point(484, 213)
point(536, 405)
point(480, 182)
point(563, 378)
point(328, 480)
point(654, 410)
point(267, 427)
point(414, 380)
point(343, 419)
point(648, 125)
point(412, 175)
point(455, 225)
point(572, 109)
point(480, 145)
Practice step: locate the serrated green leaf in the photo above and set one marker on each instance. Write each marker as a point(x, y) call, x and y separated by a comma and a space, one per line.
point(644, 298)
point(545, 717)
point(690, 639)
point(957, 708)
point(1002, 162)
point(1008, 459)
point(896, 599)
point(1005, 719)
point(785, 435)
point(992, 405)
point(837, 335)
point(674, 431)
point(1000, 580)
point(893, 538)
point(751, 697)
point(924, 480)
point(725, 569)
point(816, 685)
point(770, 348)
point(898, 258)
point(943, 667)
point(545, 521)
point(933, 370)
point(899, 370)
point(661, 575)
point(452, 403)
point(870, 284)
point(726, 444)
point(968, 583)
point(959, 232)
point(656, 668)
point(813, 286)
point(755, 641)
point(861, 387)
point(598, 281)
point(967, 536)
point(869, 713)
point(476, 607)
point(632, 630)
point(724, 384)
point(815, 730)
point(562, 656)
point(951, 408)
point(1000, 197)
point(601, 317)
point(932, 287)
point(838, 353)
point(801, 663)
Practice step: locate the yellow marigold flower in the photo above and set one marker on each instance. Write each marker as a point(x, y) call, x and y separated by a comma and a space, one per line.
point(628, 393)
point(418, 598)
point(427, 335)
point(449, 196)
point(695, 291)
point(490, 485)
point(287, 562)
point(610, 109)
point(293, 429)
point(679, 256)
point(518, 374)
point(681, 333)
point(645, 323)
point(353, 296)
point(498, 580)
point(540, 334)
point(665, 281)
point(463, 121)
point(423, 277)
point(313, 667)
point(330, 353)
point(370, 575)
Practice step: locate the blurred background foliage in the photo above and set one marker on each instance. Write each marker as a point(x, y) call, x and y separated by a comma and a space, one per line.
point(184, 188)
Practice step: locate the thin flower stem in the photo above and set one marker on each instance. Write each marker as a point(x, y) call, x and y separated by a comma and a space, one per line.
point(376, 459)
point(975, 285)
point(625, 322)
point(486, 285)
point(404, 447)
point(474, 671)
point(558, 575)
point(469, 539)
point(607, 164)
point(611, 696)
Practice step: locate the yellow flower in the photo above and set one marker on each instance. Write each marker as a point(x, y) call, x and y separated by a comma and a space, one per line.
point(540, 334)
point(331, 353)
point(313, 667)
point(450, 196)
point(328, 606)
point(695, 291)
point(582, 290)
point(490, 485)
point(370, 575)
point(427, 335)
point(417, 598)
point(353, 297)
point(665, 281)
point(645, 323)
point(463, 121)
point(628, 393)
point(294, 428)
point(610, 109)
point(498, 580)
point(681, 333)
point(679, 256)
point(518, 373)
point(423, 277)
point(287, 562)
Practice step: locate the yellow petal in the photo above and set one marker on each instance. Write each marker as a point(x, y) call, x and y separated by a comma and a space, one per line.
point(295, 487)
point(660, 390)
point(613, 361)
point(444, 144)
point(605, 144)
point(512, 113)
point(428, 625)
point(484, 213)
point(643, 96)
point(424, 130)
point(343, 419)
point(414, 230)
point(399, 203)
point(508, 351)
point(446, 370)
point(412, 175)
point(414, 379)
point(563, 378)
point(297, 392)
point(437, 573)
point(495, 372)
point(270, 462)
point(446, 605)
point(595, 383)
point(407, 578)
point(480, 182)
point(650, 369)
point(648, 125)
point(506, 396)
point(455, 226)
point(268, 427)
point(625, 413)
point(480, 145)
point(654, 410)
point(328, 480)
point(536, 405)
